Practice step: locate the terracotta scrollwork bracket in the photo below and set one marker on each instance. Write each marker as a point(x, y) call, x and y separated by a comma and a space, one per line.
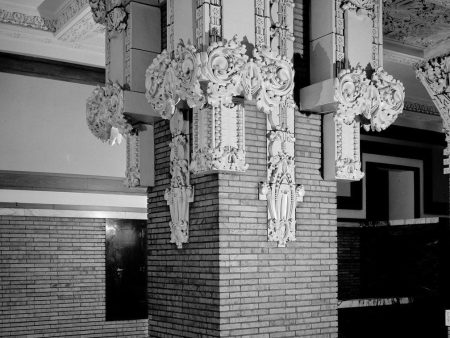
point(373, 103)
point(434, 74)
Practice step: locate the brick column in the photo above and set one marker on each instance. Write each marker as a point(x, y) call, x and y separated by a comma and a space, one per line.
point(229, 280)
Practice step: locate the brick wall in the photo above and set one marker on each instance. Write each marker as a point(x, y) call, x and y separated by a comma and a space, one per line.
point(268, 291)
point(183, 284)
point(52, 279)
point(349, 262)
point(228, 270)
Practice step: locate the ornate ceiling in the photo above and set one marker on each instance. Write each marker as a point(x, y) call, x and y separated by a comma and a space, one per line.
point(419, 23)
point(55, 29)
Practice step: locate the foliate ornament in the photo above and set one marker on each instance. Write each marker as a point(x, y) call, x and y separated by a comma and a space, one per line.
point(347, 152)
point(116, 19)
point(435, 77)
point(98, 8)
point(180, 193)
point(280, 191)
point(104, 114)
point(161, 85)
point(377, 102)
point(387, 97)
point(219, 138)
point(221, 67)
point(186, 68)
point(277, 80)
point(110, 13)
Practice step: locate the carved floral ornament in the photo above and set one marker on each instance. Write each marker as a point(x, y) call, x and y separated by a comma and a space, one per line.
point(110, 13)
point(209, 81)
point(280, 190)
point(376, 102)
point(104, 114)
point(373, 103)
point(435, 77)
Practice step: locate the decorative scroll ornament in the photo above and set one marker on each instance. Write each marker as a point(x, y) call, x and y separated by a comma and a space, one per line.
point(210, 83)
point(281, 192)
point(111, 13)
point(180, 193)
point(435, 77)
point(374, 103)
point(104, 114)
point(377, 101)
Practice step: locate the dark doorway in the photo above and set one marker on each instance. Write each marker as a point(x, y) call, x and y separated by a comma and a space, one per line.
point(126, 277)
point(392, 192)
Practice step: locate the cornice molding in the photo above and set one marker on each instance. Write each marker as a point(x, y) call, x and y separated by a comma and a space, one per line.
point(20, 40)
point(68, 11)
point(25, 20)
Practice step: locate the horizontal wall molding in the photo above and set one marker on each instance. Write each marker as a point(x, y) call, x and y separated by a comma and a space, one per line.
point(70, 207)
point(371, 302)
point(18, 197)
point(65, 182)
point(51, 69)
point(71, 213)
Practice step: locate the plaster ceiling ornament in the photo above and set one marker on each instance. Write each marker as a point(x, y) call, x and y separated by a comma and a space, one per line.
point(435, 77)
point(420, 23)
point(112, 14)
point(104, 114)
point(70, 9)
point(31, 21)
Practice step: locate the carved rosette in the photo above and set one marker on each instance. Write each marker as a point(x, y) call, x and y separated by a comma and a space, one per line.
point(375, 103)
point(435, 77)
point(104, 114)
point(111, 13)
